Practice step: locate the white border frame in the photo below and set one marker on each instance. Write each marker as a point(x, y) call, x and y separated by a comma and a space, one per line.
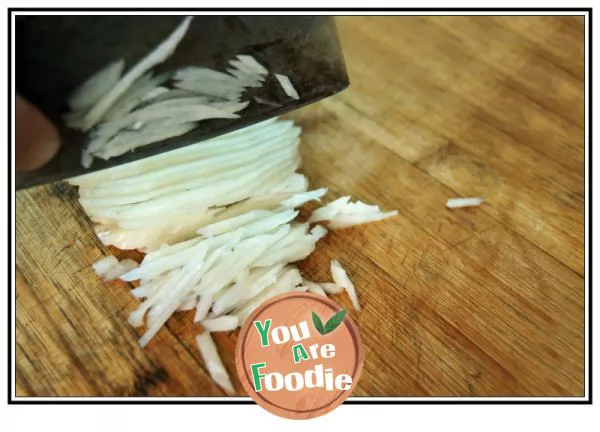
point(370, 400)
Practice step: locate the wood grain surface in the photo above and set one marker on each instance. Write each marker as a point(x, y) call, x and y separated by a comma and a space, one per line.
point(484, 301)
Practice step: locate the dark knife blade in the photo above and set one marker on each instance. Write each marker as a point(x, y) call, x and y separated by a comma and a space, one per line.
point(55, 54)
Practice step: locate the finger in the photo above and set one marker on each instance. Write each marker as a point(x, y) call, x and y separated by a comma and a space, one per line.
point(36, 138)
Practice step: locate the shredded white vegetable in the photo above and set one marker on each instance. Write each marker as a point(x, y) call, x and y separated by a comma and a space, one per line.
point(463, 202)
point(213, 362)
point(135, 95)
point(314, 287)
point(342, 213)
point(252, 64)
point(203, 306)
point(331, 288)
point(138, 109)
point(341, 278)
point(160, 54)
point(263, 101)
point(167, 202)
point(249, 79)
point(221, 324)
point(92, 90)
point(287, 86)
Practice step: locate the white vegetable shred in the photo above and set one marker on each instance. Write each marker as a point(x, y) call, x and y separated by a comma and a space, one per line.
point(221, 324)
point(463, 202)
point(342, 213)
point(341, 278)
point(287, 86)
point(160, 54)
point(213, 362)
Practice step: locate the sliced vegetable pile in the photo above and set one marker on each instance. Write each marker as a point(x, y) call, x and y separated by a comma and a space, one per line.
point(165, 198)
point(217, 219)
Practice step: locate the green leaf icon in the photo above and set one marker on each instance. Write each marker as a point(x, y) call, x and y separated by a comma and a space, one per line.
point(318, 323)
point(334, 321)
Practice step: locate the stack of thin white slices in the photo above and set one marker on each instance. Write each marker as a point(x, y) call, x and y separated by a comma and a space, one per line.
point(166, 198)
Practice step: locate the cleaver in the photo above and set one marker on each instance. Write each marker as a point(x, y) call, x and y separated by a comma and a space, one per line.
point(54, 54)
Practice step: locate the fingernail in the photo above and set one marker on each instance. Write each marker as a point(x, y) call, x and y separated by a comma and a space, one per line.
point(36, 138)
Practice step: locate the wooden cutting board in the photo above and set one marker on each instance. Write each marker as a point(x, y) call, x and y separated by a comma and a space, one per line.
point(481, 301)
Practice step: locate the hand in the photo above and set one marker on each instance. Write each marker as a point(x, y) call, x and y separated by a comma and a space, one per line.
point(36, 138)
